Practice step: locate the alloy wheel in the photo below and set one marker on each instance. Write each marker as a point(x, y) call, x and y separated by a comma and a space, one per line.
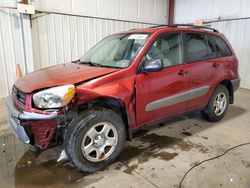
point(220, 104)
point(99, 142)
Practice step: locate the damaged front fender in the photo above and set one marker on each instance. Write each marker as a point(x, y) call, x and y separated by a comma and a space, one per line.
point(122, 89)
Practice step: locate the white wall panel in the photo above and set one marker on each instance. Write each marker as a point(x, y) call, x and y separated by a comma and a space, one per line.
point(84, 7)
point(61, 38)
point(8, 3)
point(148, 11)
point(108, 8)
point(11, 49)
point(187, 11)
point(130, 6)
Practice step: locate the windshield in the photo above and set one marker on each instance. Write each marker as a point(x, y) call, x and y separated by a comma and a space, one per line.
point(115, 51)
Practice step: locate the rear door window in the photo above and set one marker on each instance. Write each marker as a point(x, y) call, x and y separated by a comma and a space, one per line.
point(196, 47)
point(221, 47)
point(199, 47)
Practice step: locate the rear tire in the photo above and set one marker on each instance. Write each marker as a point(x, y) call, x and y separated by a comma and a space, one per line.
point(218, 104)
point(94, 139)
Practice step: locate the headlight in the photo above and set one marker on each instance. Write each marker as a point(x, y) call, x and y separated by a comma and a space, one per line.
point(54, 97)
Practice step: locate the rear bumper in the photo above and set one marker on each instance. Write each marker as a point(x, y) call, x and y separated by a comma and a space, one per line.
point(42, 126)
point(236, 83)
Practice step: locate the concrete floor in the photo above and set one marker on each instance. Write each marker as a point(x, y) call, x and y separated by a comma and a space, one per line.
point(157, 157)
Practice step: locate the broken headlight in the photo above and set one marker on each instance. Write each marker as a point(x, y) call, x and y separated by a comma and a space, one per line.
point(55, 97)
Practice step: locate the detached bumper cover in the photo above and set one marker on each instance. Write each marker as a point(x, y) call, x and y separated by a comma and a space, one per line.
point(15, 122)
point(43, 126)
point(236, 83)
point(19, 130)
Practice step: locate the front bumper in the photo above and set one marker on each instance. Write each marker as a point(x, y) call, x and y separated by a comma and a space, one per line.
point(42, 126)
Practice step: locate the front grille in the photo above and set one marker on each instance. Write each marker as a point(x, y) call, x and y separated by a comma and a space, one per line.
point(21, 96)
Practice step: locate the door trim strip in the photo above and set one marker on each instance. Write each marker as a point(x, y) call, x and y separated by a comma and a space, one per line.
point(178, 98)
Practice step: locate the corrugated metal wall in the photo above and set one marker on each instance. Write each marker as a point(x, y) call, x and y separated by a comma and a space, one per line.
point(237, 32)
point(62, 38)
point(149, 11)
point(11, 48)
point(15, 45)
point(187, 11)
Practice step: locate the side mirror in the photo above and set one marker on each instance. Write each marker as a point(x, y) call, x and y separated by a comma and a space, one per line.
point(152, 65)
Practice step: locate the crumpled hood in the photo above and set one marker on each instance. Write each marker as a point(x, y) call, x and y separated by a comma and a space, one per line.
point(69, 73)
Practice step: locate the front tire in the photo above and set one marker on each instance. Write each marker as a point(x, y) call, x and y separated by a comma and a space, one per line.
point(94, 139)
point(218, 104)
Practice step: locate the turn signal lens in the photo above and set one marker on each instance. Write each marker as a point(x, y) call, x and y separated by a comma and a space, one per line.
point(68, 96)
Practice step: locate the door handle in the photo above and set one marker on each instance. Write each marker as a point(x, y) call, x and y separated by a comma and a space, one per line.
point(182, 72)
point(215, 65)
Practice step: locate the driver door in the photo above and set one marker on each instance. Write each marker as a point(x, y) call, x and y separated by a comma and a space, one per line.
point(164, 93)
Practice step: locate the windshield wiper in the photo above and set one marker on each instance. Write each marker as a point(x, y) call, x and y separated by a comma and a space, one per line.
point(89, 63)
point(76, 61)
point(95, 64)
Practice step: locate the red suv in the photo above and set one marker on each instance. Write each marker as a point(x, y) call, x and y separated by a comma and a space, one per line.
point(126, 81)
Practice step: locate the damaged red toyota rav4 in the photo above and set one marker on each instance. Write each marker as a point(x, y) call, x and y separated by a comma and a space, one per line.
point(126, 81)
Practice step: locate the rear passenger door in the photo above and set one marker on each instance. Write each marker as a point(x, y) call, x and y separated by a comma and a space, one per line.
point(206, 70)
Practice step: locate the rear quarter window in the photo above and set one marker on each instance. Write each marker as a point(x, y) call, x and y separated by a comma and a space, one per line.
point(221, 47)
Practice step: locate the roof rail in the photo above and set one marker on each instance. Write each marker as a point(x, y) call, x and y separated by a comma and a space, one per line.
point(194, 26)
point(161, 25)
point(187, 25)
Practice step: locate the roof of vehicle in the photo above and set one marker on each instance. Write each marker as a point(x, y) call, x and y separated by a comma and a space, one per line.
point(176, 27)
